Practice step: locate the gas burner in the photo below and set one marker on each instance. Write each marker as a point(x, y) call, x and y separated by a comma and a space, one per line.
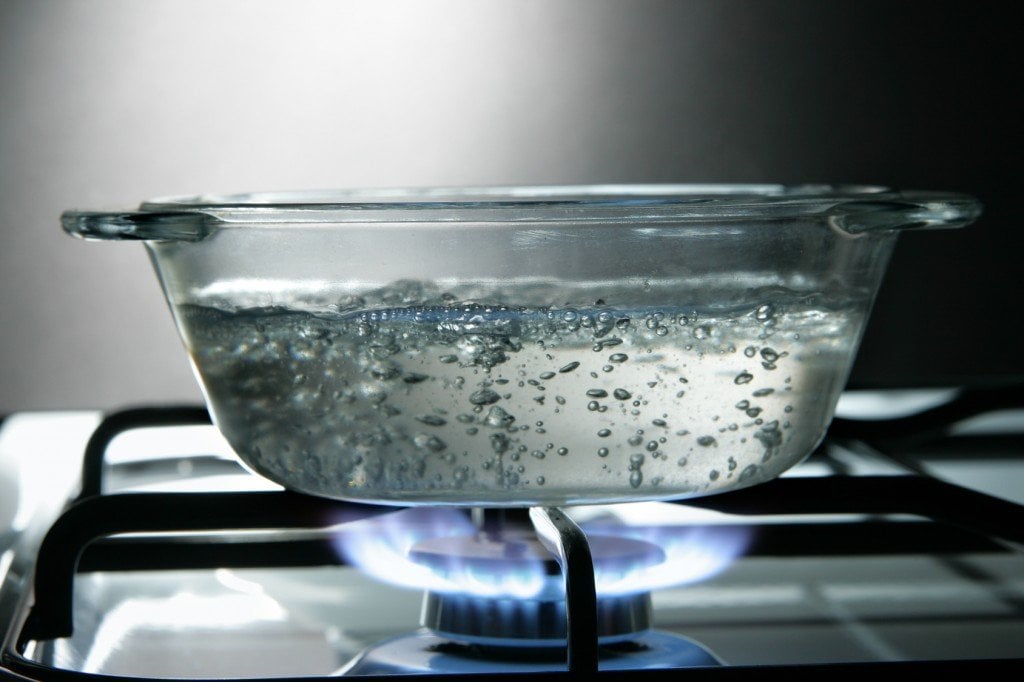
point(483, 629)
point(539, 619)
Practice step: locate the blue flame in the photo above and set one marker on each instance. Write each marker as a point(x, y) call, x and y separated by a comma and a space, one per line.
point(381, 546)
point(692, 554)
point(698, 544)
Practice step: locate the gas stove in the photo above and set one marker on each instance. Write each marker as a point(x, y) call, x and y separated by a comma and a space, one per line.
point(133, 545)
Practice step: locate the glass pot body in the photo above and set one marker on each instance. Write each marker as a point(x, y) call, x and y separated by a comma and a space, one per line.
point(524, 346)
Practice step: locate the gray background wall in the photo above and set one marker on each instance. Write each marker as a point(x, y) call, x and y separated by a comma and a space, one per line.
point(104, 103)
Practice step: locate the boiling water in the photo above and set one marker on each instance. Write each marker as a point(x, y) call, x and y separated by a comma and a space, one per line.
point(473, 403)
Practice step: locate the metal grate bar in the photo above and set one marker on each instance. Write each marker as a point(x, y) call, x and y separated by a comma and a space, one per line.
point(569, 544)
point(117, 423)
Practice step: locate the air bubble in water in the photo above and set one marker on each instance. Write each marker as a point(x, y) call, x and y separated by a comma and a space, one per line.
point(622, 394)
point(569, 367)
point(769, 435)
point(635, 462)
point(597, 393)
point(764, 312)
point(744, 378)
point(373, 393)
point(432, 443)
point(484, 396)
point(499, 418)
point(499, 442)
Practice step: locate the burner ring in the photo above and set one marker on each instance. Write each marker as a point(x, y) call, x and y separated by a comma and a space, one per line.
point(511, 621)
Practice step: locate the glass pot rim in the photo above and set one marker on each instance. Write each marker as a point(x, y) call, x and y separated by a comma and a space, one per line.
point(850, 208)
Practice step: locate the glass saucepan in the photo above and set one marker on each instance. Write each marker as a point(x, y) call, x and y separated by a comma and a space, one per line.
point(524, 346)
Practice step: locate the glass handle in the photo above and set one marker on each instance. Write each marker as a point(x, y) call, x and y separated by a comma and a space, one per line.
point(190, 226)
point(907, 211)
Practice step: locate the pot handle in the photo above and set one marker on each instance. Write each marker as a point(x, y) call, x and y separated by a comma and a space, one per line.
point(906, 211)
point(189, 226)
